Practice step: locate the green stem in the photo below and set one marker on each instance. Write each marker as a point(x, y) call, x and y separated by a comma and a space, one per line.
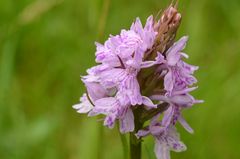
point(140, 117)
point(135, 147)
point(135, 143)
point(124, 144)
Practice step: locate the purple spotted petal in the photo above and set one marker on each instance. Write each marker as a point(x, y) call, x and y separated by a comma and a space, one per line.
point(95, 90)
point(110, 121)
point(104, 105)
point(142, 133)
point(131, 88)
point(168, 81)
point(156, 130)
point(127, 122)
point(111, 78)
point(173, 141)
point(168, 115)
point(161, 150)
point(173, 54)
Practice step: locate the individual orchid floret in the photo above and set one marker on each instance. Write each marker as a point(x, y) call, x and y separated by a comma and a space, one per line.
point(166, 142)
point(147, 33)
point(109, 106)
point(166, 138)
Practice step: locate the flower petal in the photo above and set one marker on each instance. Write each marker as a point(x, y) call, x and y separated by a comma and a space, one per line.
point(110, 121)
point(147, 64)
point(168, 115)
point(84, 106)
point(127, 122)
point(173, 140)
point(173, 53)
point(148, 102)
point(111, 78)
point(105, 105)
point(131, 88)
point(95, 90)
point(161, 150)
point(183, 100)
point(168, 81)
point(142, 133)
point(186, 126)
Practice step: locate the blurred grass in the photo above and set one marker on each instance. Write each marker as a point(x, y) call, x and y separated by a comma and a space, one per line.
point(46, 45)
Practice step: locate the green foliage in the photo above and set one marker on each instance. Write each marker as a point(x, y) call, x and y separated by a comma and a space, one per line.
point(46, 44)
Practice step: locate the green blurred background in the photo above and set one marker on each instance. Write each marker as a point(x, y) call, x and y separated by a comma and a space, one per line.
point(45, 45)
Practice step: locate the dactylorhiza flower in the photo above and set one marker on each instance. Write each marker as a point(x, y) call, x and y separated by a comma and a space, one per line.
point(116, 87)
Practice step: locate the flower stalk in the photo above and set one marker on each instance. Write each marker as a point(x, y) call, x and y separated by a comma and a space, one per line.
point(136, 143)
point(141, 76)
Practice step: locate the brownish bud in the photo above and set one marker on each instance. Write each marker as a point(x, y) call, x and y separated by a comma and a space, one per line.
point(167, 28)
point(168, 14)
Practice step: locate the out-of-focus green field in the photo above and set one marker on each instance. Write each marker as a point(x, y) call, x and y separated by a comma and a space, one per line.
point(45, 45)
